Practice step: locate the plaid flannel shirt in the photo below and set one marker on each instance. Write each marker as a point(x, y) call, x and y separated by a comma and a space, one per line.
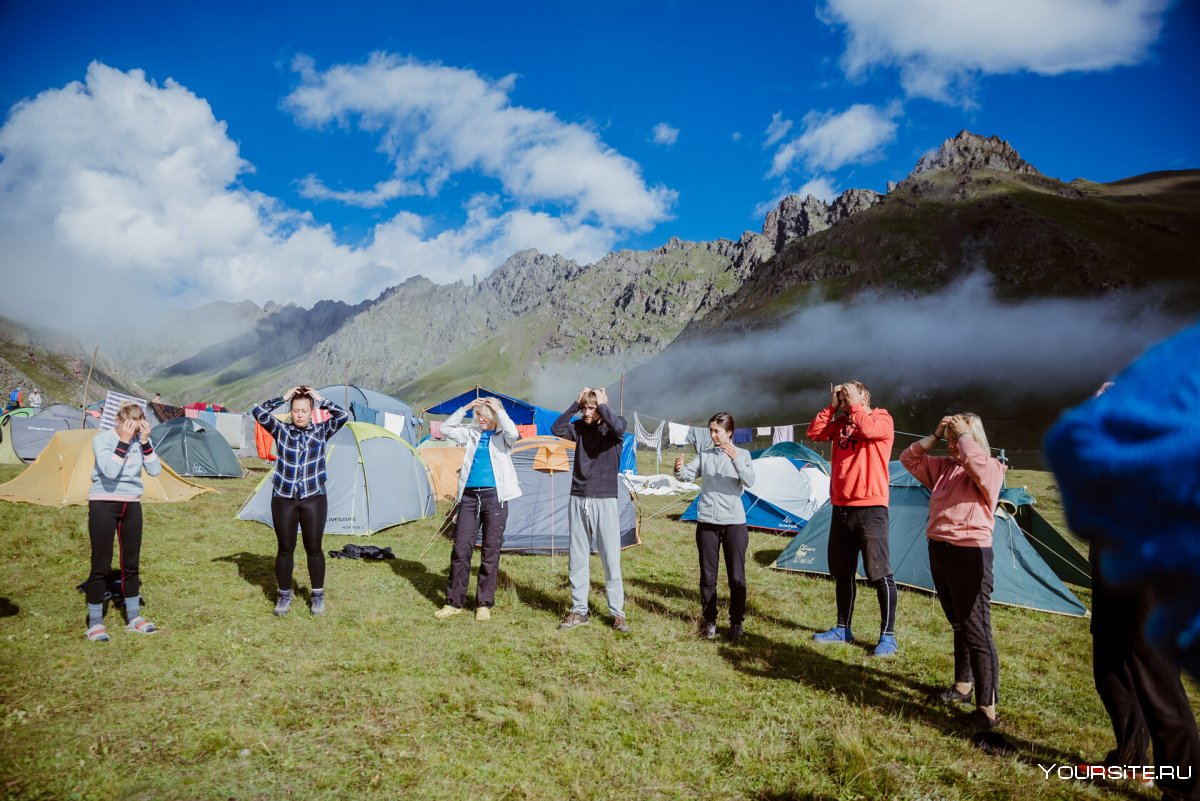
point(300, 452)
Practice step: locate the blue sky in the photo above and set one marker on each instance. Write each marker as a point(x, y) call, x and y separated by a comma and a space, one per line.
point(296, 151)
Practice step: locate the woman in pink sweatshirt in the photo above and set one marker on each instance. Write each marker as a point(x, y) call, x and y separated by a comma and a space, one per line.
point(965, 487)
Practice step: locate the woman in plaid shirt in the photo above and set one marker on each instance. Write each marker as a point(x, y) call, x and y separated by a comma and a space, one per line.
point(298, 486)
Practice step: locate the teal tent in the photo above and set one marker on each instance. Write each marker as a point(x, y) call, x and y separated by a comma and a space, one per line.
point(192, 448)
point(1022, 577)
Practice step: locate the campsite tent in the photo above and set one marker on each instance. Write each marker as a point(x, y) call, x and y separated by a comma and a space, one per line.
point(1022, 578)
point(375, 480)
point(444, 461)
point(537, 521)
point(62, 476)
point(194, 449)
point(7, 454)
point(522, 412)
point(347, 395)
point(31, 434)
point(788, 489)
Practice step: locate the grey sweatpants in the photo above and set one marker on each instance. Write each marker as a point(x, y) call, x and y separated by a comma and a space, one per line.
point(596, 517)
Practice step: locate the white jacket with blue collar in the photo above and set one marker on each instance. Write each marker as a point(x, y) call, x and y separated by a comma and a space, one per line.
point(499, 448)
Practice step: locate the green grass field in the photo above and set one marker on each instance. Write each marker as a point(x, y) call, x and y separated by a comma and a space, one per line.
point(377, 700)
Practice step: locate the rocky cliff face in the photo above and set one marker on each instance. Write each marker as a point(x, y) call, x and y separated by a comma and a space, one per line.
point(796, 217)
point(970, 152)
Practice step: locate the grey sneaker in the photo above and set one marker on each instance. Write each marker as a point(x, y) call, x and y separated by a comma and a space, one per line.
point(284, 604)
point(572, 620)
point(317, 605)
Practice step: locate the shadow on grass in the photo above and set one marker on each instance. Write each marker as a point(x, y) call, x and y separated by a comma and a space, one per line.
point(869, 685)
point(767, 556)
point(431, 585)
point(8, 608)
point(535, 598)
point(256, 569)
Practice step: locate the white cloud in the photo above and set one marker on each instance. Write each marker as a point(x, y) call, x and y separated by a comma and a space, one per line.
point(831, 140)
point(432, 118)
point(939, 47)
point(778, 129)
point(119, 192)
point(737, 136)
point(664, 134)
point(313, 188)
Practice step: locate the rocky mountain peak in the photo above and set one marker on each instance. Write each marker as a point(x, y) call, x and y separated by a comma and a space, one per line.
point(524, 277)
point(797, 217)
point(968, 152)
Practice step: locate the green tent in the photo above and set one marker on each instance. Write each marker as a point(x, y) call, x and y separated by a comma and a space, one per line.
point(375, 480)
point(192, 448)
point(7, 454)
point(1022, 577)
point(1052, 545)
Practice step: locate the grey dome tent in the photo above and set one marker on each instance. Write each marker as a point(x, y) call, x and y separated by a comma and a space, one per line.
point(537, 521)
point(1022, 577)
point(192, 448)
point(375, 480)
point(347, 395)
point(31, 435)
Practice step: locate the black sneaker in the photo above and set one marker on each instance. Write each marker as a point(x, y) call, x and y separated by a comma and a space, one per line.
point(951, 695)
point(708, 630)
point(736, 633)
point(979, 720)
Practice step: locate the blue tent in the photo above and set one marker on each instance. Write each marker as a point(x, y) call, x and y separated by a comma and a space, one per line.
point(629, 454)
point(787, 492)
point(522, 412)
point(1022, 577)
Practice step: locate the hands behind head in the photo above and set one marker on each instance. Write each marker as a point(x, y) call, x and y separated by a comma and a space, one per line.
point(854, 396)
point(957, 425)
point(601, 395)
point(583, 395)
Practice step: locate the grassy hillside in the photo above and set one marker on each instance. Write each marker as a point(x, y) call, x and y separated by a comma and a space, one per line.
point(58, 366)
point(380, 701)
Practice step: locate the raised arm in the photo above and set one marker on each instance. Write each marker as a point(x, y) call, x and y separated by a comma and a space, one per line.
point(688, 472)
point(616, 424)
point(562, 426)
point(986, 472)
point(338, 416)
point(454, 429)
point(504, 423)
point(262, 413)
point(743, 467)
point(824, 426)
point(873, 426)
point(150, 461)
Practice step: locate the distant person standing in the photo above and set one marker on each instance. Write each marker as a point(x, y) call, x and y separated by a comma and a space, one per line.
point(592, 508)
point(486, 483)
point(35, 399)
point(298, 498)
point(725, 472)
point(115, 512)
point(862, 440)
point(964, 490)
point(14, 400)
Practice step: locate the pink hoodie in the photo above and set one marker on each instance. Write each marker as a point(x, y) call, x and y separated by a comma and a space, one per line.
point(964, 492)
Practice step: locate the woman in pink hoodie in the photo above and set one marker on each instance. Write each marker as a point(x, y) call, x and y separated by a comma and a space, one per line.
point(964, 489)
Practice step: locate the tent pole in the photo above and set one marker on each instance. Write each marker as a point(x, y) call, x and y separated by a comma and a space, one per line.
point(622, 393)
point(87, 385)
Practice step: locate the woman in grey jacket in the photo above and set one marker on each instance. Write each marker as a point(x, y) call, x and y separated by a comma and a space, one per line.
point(115, 512)
point(724, 472)
point(486, 483)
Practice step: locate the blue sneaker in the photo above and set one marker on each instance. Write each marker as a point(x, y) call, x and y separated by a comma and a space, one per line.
point(887, 645)
point(835, 634)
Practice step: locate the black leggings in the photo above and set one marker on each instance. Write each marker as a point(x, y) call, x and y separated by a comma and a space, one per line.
point(962, 576)
point(307, 514)
point(108, 520)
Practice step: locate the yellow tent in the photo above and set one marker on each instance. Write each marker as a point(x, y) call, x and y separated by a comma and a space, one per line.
point(443, 462)
point(62, 476)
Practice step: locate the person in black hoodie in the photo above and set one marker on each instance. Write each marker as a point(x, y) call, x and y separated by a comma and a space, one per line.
point(592, 511)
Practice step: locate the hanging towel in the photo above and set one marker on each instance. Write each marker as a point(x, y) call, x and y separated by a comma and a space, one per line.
point(742, 435)
point(783, 434)
point(699, 436)
point(394, 422)
point(677, 434)
point(320, 415)
point(646, 438)
point(364, 413)
point(527, 431)
point(263, 442)
point(229, 426)
point(209, 419)
point(164, 412)
point(435, 429)
point(763, 431)
point(192, 413)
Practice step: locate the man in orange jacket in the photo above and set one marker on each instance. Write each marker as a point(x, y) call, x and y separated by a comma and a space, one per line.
point(862, 445)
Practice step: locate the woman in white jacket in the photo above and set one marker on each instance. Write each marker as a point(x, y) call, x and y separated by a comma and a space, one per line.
point(486, 483)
